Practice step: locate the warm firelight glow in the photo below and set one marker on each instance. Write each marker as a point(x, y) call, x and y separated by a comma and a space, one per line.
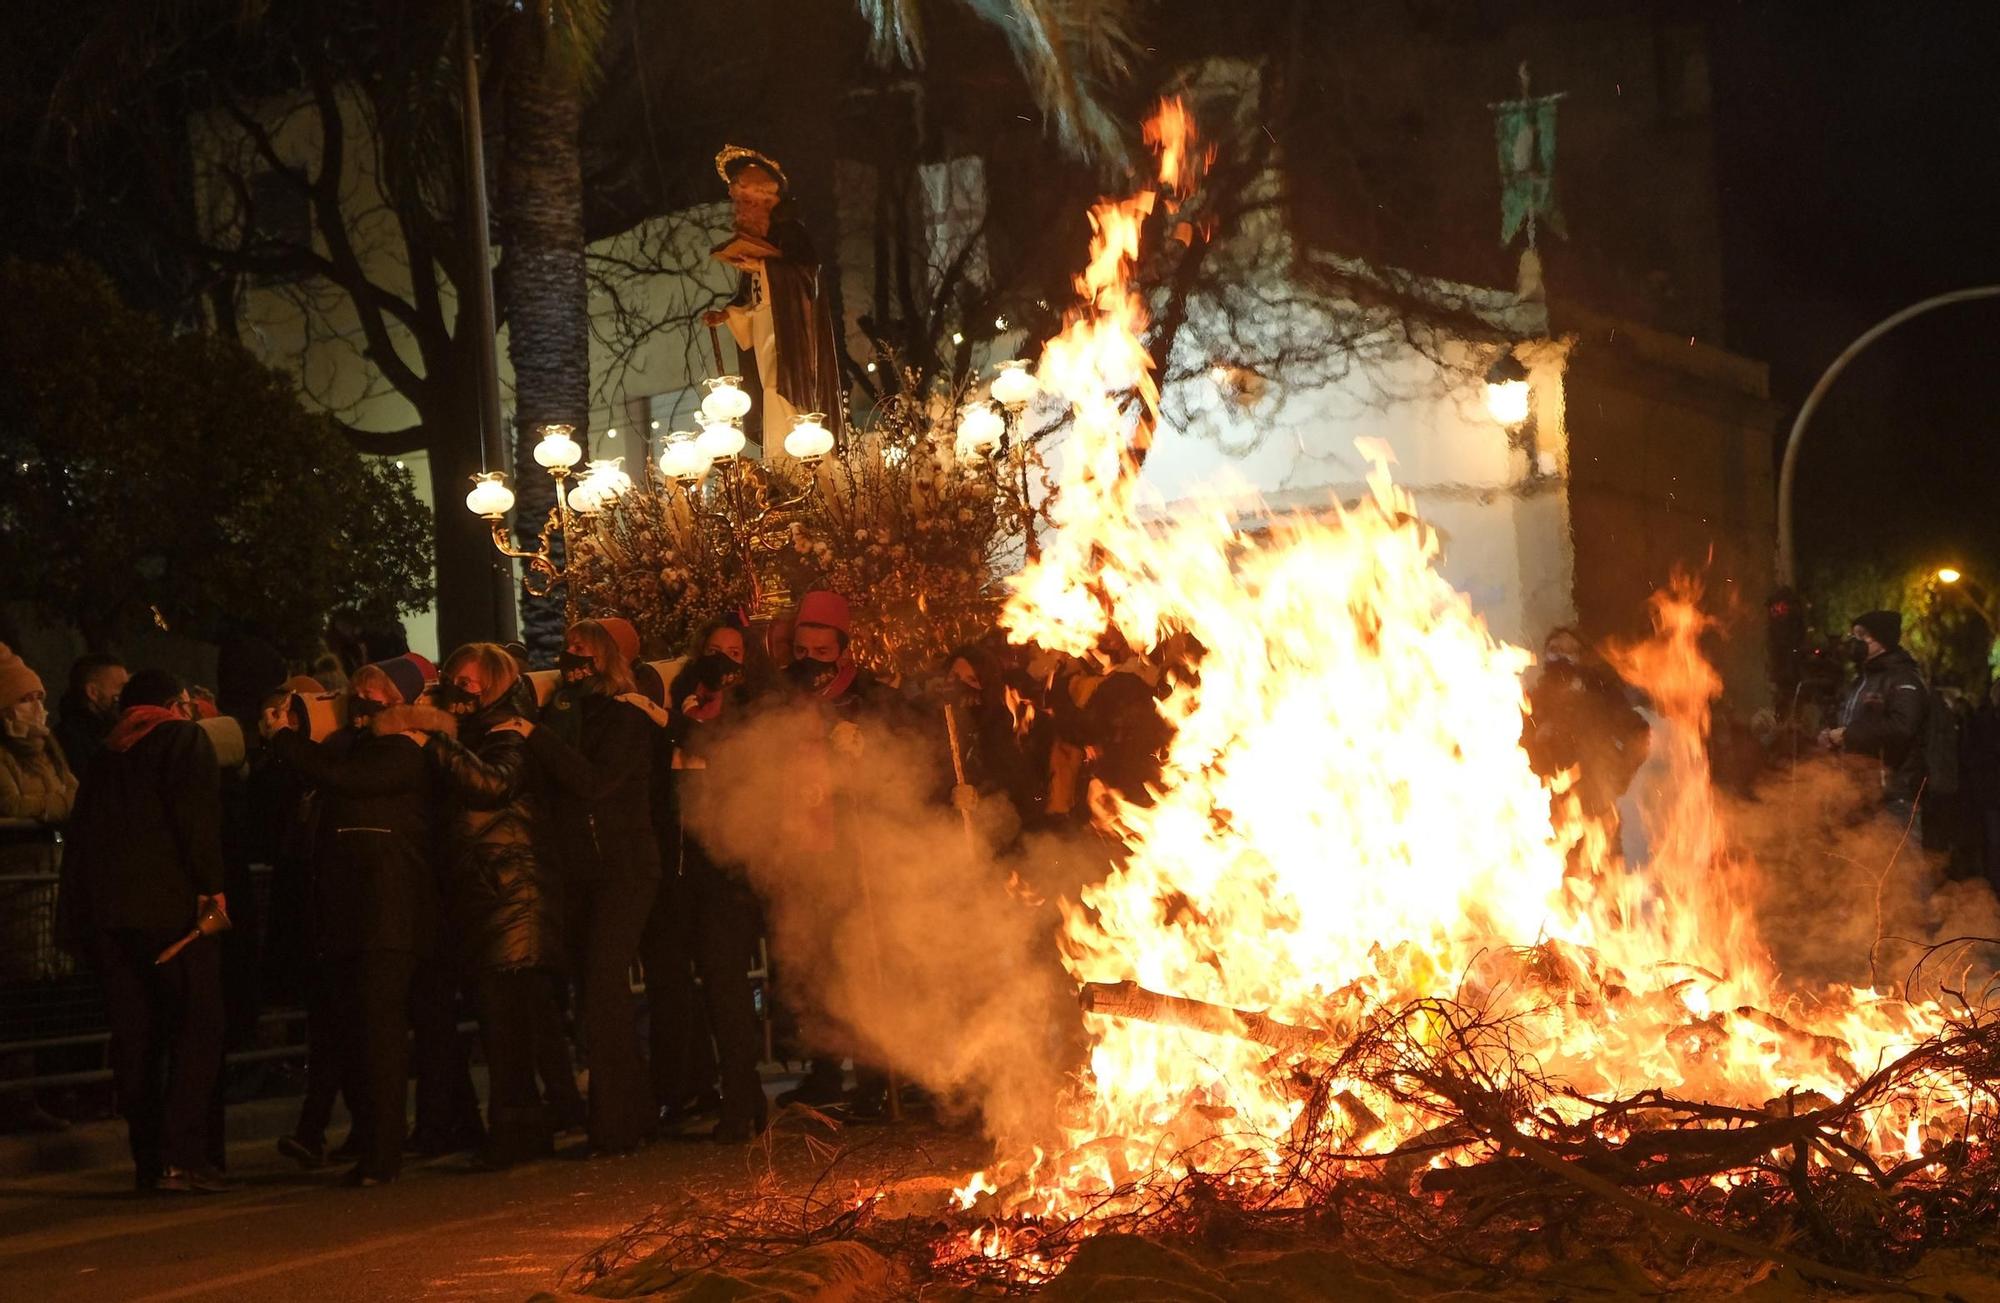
point(1346, 825)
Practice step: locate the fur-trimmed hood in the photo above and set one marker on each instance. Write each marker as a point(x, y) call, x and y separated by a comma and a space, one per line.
point(421, 717)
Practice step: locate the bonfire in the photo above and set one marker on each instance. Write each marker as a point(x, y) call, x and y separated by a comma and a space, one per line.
point(1356, 979)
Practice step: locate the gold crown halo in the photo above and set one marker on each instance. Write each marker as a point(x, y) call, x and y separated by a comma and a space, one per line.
point(738, 153)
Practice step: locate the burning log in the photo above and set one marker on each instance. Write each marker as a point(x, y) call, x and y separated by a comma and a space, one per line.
point(1131, 1001)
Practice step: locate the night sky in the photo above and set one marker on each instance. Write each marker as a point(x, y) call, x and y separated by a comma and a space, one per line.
point(1859, 172)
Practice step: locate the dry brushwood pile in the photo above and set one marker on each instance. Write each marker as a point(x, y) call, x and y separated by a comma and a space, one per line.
point(1518, 1182)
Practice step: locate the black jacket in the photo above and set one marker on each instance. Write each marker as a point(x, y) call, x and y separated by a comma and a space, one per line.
point(601, 787)
point(145, 838)
point(1884, 715)
point(374, 886)
point(1580, 717)
point(80, 732)
point(503, 898)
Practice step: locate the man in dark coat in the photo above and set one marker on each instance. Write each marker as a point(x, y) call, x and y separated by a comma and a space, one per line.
point(89, 708)
point(144, 862)
point(1884, 713)
point(1581, 718)
point(824, 674)
point(375, 895)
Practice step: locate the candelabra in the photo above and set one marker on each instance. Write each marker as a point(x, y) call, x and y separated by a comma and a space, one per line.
point(738, 501)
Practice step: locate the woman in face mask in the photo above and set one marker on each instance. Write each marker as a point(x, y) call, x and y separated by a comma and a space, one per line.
point(35, 779)
point(375, 899)
point(35, 783)
point(503, 901)
point(706, 919)
point(594, 745)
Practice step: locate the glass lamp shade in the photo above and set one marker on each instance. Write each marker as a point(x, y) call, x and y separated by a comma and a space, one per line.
point(725, 400)
point(557, 450)
point(1015, 386)
point(720, 440)
point(809, 440)
point(682, 460)
point(583, 499)
point(608, 477)
point(979, 429)
point(1507, 401)
point(490, 496)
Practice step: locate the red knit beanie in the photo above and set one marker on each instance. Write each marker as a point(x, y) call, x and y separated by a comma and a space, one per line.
point(822, 607)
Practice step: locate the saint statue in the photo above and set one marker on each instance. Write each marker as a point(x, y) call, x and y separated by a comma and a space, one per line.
point(782, 316)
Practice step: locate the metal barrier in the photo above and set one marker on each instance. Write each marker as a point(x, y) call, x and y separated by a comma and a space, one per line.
point(52, 1009)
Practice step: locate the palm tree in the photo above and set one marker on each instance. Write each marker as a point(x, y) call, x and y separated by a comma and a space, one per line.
point(548, 50)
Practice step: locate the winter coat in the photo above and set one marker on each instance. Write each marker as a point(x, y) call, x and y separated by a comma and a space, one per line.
point(600, 787)
point(1884, 717)
point(374, 882)
point(1579, 717)
point(35, 779)
point(145, 838)
point(80, 731)
point(503, 898)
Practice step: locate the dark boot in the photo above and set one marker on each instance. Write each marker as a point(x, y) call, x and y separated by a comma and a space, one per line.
point(517, 1135)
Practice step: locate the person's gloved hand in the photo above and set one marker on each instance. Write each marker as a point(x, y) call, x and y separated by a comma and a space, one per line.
point(965, 798)
point(656, 713)
point(847, 739)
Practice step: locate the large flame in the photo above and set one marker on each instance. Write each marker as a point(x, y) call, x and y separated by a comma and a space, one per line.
point(1346, 822)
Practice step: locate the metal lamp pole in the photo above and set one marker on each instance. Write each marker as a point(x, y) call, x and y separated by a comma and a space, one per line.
point(1788, 472)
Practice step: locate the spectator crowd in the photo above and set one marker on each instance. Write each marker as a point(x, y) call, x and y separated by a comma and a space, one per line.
point(470, 838)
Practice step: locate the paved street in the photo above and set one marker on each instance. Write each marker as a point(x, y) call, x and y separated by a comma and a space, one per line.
point(442, 1232)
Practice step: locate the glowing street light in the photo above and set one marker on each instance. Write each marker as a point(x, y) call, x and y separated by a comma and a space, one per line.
point(1507, 392)
point(1947, 575)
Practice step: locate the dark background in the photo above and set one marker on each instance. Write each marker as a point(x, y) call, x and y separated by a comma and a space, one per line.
point(1858, 173)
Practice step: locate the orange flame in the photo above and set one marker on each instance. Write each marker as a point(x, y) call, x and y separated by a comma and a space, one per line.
point(1346, 824)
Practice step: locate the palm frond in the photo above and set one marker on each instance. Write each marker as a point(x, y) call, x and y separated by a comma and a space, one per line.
point(572, 33)
point(895, 32)
point(1071, 52)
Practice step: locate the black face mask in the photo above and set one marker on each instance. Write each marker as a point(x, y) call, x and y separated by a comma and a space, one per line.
point(1857, 650)
point(360, 710)
point(810, 675)
point(455, 700)
point(576, 668)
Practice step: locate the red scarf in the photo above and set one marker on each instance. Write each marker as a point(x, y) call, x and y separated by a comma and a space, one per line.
point(136, 723)
point(842, 680)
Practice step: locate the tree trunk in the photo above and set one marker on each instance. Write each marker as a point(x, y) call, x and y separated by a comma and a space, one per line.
point(469, 595)
point(542, 292)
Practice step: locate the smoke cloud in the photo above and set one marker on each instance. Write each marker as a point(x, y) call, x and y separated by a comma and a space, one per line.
point(1844, 893)
point(898, 936)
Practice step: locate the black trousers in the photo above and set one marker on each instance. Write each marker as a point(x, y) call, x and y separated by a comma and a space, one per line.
point(608, 916)
point(718, 939)
point(680, 1051)
point(325, 1069)
point(447, 1104)
point(510, 1004)
point(166, 1043)
point(374, 993)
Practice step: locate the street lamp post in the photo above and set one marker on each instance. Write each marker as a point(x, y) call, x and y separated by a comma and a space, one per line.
point(1788, 472)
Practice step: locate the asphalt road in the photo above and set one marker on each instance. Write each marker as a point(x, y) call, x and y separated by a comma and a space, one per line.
point(442, 1232)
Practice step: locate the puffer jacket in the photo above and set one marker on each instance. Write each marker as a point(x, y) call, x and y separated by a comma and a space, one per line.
point(35, 779)
point(600, 786)
point(503, 899)
point(1884, 716)
point(374, 885)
